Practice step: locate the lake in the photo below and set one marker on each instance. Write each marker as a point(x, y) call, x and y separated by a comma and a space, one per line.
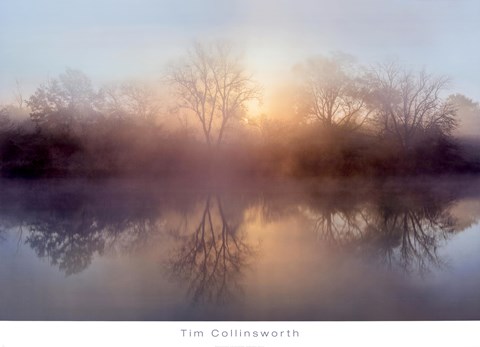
point(233, 250)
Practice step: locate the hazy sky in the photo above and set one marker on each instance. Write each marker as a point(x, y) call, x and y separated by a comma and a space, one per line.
point(116, 39)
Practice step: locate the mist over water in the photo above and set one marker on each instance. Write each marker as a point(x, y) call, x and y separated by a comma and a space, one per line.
point(293, 160)
point(287, 250)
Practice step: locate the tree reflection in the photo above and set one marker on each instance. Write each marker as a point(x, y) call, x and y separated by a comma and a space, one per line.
point(338, 219)
point(408, 231)
point(68, 245)
point(72, 243)
point(404, 230)
point(212, 255)
point(403, 226)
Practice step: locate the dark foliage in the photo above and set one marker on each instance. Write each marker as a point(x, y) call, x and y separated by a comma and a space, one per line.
point(127, 148)
point(76, 131)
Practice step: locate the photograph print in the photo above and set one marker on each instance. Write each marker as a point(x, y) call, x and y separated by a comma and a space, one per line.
point(239, 160)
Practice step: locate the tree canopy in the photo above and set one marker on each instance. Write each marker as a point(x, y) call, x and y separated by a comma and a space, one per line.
point(212, 83)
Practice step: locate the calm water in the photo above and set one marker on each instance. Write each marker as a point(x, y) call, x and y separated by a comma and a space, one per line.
point(130, 250)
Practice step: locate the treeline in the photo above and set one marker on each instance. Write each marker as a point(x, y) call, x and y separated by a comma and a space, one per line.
point(342, 120)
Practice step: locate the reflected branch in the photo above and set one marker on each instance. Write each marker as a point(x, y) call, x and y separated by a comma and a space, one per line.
point(403, 230)
point(70, 242)
point(212, 257)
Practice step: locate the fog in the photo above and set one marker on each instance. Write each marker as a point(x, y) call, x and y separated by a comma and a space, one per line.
point(112, 88)
point(273, 160)
point(331, 116)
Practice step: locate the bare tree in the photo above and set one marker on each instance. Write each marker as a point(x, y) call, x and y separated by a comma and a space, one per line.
point(131, 99)
point(410, 104)
point(18, 95)
point(214, 86)
point(332, 92)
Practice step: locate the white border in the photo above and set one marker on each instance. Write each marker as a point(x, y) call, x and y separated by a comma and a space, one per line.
point(169, 334)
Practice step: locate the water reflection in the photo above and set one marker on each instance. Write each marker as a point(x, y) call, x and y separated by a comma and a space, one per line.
point(69, 227)
point(67, 245)
point(409, 229)
point(207, 241)
point(70, 242)
point(212, 252)
point(399, 229)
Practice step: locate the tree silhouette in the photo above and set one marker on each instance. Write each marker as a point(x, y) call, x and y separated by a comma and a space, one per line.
point(132, 99)
point(333, 92)
point(213, 85)
point(61, 102)
point(408, 105)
